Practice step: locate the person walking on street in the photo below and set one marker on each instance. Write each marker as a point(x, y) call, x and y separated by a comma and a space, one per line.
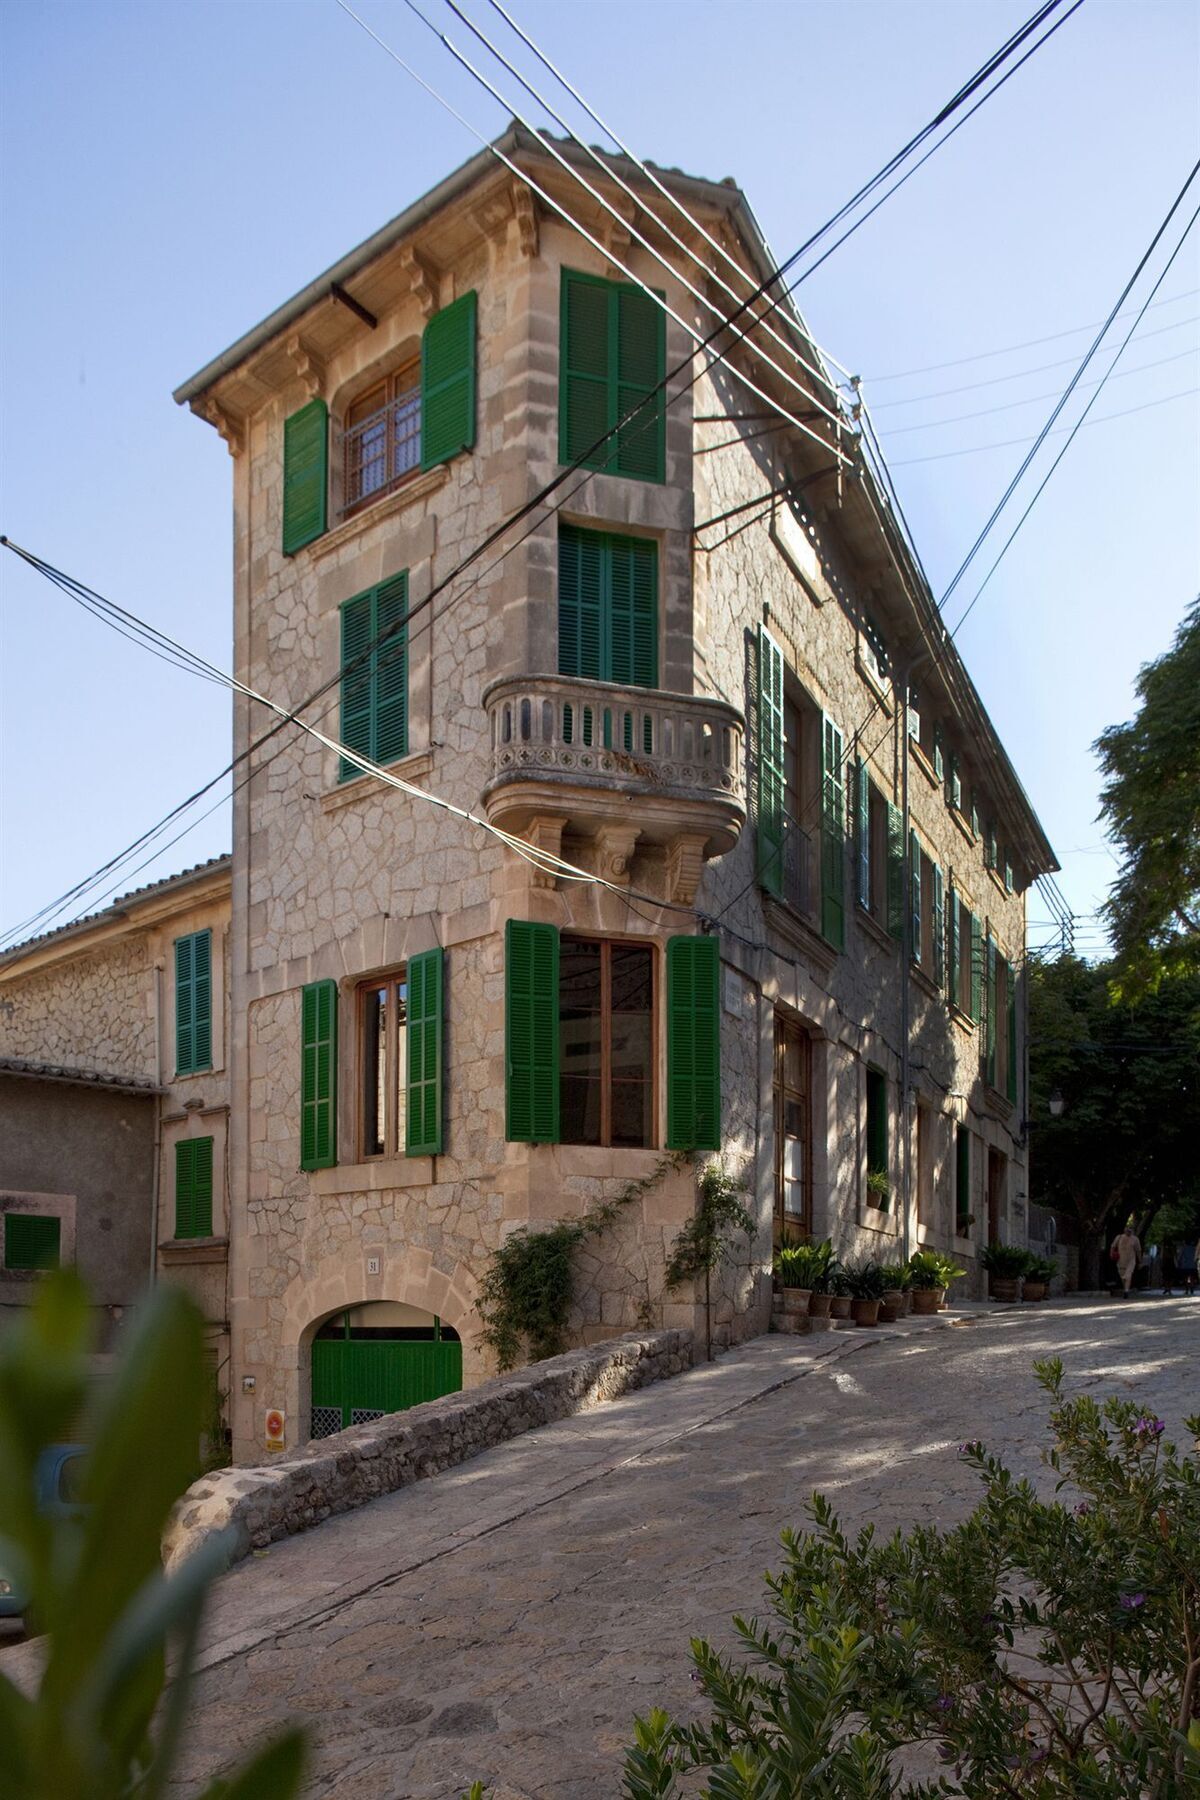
point(1126, 1252)
point(1185, 1266)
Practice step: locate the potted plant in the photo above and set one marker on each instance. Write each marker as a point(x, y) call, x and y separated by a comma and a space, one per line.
point(1038, 1276)
point(839, 1292)
point(929, 1275)
point(879, 1188)
point(821, 1294)
point(864, 1283)
point(893, 1280)
point(1005, 1264)
point(792, 1267)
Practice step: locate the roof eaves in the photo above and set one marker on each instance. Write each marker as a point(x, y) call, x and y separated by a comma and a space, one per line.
point(194, 876)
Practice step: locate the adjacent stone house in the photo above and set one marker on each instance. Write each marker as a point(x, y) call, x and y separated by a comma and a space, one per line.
point(114, 1100)
point(706, 671)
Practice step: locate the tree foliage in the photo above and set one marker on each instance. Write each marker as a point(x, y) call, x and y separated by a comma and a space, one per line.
point(1151, 803)
point(1129, 1075)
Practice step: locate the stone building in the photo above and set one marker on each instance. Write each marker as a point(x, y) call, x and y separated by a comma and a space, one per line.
point(114, 1099)
point(709, 673)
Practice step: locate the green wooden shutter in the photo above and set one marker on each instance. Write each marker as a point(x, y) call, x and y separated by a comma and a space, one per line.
point(318, 1076)
point(862, 833)
point(939, 754)
point(531, 1034)
point(641, 361)
point(584, 364)
point(990, 1020)
point(1010, 987)
point(581, 597)
point(914, 881)
point(423, 1115)
point(448, 382)
point(1008, 873)
point(954, 783)
point(193, 1187)
point(939, 926)
point(895, 871)
point(833, 859)
point(976, 968)
point(390, 670)
point(632, 611)
point(357, 633)
point(962, 1177)
point(770, 824)
point(693, 1043)
point(193, 1002)
point(31, 1240)
point(305, 475)
point(952, 950)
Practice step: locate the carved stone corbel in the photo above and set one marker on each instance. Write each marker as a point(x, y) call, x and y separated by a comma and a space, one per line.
point(230, 428)
point(617, 236)
point(544, 833)
point(685, 864)
point(309, 367)
point(525, 209)
point(614, 852)
point(424, 279)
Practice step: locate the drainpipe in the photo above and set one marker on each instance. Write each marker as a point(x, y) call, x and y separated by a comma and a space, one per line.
point(155, 1181)
point(905, 959)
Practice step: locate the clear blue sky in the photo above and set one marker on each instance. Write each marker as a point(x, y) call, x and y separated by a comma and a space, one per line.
point(172, 172)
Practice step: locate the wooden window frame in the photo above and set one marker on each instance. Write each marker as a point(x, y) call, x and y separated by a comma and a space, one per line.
point(396, 1079)
point(786, 1028)
point(606, 1078)
point(400, 384)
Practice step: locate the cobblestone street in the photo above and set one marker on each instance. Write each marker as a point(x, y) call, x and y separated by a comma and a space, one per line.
point(507, 1619)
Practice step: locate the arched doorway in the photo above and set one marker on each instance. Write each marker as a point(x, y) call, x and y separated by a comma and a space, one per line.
point(380, 1357)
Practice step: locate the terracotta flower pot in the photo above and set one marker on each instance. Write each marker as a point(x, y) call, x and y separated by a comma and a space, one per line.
point(839, 1306)
point(1034, 1290)
point(795, 1299)
point(818, 1305)
point(925, 1301)
point(865, 1312)
point(891, 1307)
point(1003, 1287)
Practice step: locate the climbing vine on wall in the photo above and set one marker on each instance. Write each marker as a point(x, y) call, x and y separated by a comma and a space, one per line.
point(526, 1292)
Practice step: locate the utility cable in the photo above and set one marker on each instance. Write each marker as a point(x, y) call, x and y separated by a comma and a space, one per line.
point(540, 498)
point(910, 462)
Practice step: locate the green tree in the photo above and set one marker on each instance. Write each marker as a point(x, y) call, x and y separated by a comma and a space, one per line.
point(1151, 804)
point(1129, 1075)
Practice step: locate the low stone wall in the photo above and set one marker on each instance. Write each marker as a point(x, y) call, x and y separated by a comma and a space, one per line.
point(333, 1474)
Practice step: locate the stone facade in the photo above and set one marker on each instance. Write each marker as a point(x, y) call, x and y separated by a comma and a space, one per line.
point(99, 997)
point(344, 881)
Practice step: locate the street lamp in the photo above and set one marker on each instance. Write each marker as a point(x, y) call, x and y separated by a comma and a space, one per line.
point(1057, 1104)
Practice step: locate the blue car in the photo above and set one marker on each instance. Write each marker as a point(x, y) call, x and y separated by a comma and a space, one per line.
point(57, 1478)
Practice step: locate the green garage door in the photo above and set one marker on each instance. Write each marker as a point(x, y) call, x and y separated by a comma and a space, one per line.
point(362, 1374)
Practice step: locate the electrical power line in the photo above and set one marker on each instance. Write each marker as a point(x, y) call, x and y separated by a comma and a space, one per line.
point(958, 362)
point(969, 88)
point(910, 462)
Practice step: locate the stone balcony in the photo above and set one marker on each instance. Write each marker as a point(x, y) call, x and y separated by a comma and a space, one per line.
point(628, 770)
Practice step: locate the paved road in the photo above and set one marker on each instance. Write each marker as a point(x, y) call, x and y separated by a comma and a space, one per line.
point(508, 1618)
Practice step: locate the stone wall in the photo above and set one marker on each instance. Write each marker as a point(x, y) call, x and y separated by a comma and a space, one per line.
point(91, 1011)
point(338, 1473)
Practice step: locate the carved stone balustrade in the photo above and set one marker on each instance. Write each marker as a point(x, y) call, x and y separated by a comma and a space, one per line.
point(625, 769)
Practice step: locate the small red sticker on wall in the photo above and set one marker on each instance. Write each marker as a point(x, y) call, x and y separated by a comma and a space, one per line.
point(275, 1429)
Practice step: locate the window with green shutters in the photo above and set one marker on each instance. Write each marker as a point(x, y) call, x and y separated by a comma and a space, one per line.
point(531, 1032)
point(193, 1003)
point(448, 382)
point(31, 1240)
point(938, 914)
point(318, 1075)
point(991, 1008)
point(877, 1135)
point(194, 1187)
point(895, 871)
point(771, 775)
point(693, 1043)
point(953, 953)
point(423, 1116)
point(833, 836)
point(914, 892)
point(862, 835)
point(612, 362)
point(374, 711)
point(305, 476)
point(976, 968)
point(607, 607)
point(1010, 996)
